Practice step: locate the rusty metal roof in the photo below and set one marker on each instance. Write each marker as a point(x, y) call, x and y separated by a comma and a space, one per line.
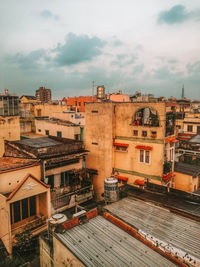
point(177, 231)
point(101, 243)
point(39, 142)
point(10, 164)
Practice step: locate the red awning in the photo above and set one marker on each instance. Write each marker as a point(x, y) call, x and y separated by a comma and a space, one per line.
point(119, 144)
point(175, 141)
point(122, 178)
point(145, 147)
point(167, 177)
point(139, 182)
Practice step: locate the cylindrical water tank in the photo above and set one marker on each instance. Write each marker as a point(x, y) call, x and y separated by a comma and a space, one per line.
point(100, 92)
point(111, 191)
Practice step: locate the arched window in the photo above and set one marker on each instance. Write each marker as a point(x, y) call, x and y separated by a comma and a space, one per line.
point(146, 117)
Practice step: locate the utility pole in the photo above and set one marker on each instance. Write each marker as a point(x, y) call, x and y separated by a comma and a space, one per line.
point(92, 88)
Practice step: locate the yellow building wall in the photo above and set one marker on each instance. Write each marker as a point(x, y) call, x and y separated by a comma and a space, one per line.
point(10, 179)
point(107, 123)
point(9, 130)
point(67, 131)
point(99, 141)
point(63, 256)
point(26, 100)
point(64, 168)
point(5, 227)
point(185, 182)
point(47, 110)
point(28, 189)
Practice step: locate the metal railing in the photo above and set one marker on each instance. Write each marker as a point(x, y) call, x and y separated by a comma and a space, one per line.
point(64, 199)
point(29, 225)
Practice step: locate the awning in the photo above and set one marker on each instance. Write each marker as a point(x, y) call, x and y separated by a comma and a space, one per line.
point(139, 182)
point(167, 177)
point(120, 144)
point(122, 178)
point(144, 147)
point(175, 141)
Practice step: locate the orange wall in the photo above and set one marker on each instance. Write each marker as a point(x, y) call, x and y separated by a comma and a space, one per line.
point(79, 101)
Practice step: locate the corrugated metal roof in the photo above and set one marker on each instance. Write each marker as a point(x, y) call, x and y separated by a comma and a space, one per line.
point(187, 169)
point(101, 243)
point(178, 231)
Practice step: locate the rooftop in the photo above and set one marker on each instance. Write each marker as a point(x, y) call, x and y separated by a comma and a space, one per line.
point(30, 97)
point(195, 139)
point(101, 243)
point(189, 169)
point(178, 232)
point(39, 142)
point(10, 164)
point(58, 121)
point(44, 147)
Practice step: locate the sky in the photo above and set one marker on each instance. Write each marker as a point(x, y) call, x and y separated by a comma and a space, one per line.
point(149, 46)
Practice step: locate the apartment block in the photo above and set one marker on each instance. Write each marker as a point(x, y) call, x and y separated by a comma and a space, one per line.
point(134, 142)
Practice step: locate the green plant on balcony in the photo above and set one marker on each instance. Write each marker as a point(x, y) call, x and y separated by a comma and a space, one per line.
point(167, 167)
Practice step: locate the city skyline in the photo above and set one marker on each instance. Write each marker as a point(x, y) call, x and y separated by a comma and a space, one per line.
point(150, 46)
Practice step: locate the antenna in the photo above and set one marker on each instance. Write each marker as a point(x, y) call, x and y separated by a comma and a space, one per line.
point(182, 91)
point(92, 88)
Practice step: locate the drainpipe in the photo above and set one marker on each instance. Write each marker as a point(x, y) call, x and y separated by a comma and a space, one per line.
point(43, 170)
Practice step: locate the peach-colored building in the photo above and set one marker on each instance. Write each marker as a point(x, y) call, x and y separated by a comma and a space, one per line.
point(186, 177)
point(133, 141)
point(118, 97)
point(24, 199)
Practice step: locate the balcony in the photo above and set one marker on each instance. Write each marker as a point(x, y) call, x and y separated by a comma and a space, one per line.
point(35, 224)
point(69, 200)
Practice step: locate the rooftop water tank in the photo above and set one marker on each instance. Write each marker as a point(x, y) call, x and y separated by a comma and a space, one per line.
point(111, 191)
point(101, 92)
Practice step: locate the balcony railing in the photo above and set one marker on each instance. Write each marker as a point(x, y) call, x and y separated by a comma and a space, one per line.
point(65, 199)
point(28, 224)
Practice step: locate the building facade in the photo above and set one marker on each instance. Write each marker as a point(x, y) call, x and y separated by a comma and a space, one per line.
point(57, 127)
point(135, 142)
point(43, 94)
point(78, 103)
point(24, 199)
point(61, 162)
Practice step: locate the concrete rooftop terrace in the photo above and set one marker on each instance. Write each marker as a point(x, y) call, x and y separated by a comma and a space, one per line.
point(179, 232)
point(101, 243)
point(9, 164)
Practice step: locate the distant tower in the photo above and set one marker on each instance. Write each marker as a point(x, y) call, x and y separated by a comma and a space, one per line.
point(182, 92)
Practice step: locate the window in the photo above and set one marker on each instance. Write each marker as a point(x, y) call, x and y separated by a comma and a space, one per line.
point(121, 148)
point(94, 111)
point(64, 179)
point(171, 154)
point(153, 134)
point(50, 180)
point(75, 103)
point(77, 136)
point(59, 134)
point(22, 209)
point(198, 129)
point(189, 128)
point(144, 156)
point(144, 133)
point(39, 130)
point(94, 143)
point(47, 132)
point(135, 133)
point(79, 103)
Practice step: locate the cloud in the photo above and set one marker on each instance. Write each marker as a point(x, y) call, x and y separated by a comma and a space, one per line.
point(29, 61)
point(123, 60)
point(77, 49)
point(138, 69)
point(47, 14)
point(177, 14)
point(117, 42)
